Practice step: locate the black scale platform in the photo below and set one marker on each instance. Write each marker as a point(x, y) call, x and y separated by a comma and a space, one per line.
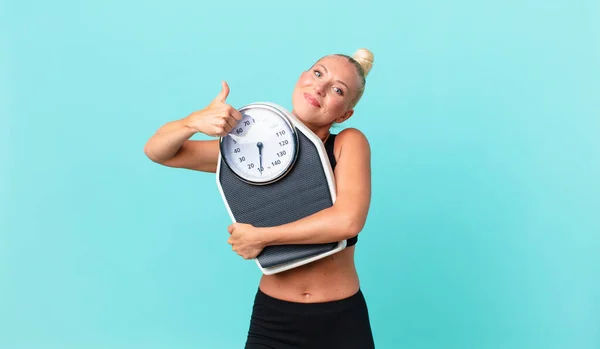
point(302, 192)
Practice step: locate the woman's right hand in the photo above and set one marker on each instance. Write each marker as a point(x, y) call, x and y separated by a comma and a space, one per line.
point(217, 119)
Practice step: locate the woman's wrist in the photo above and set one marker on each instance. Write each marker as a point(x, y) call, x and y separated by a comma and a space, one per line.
point(268, 235)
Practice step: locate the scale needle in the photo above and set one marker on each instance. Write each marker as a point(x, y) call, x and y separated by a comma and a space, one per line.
point(260, 145)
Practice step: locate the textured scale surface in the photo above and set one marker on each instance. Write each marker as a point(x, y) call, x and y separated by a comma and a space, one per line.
point(302, 192)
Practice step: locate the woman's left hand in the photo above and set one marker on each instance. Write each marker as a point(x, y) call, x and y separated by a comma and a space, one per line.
point(245, 240)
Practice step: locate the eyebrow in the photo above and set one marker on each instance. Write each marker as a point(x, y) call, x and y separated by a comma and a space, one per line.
point(340, 81)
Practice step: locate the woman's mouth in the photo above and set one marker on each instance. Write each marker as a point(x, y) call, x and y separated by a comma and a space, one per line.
point(312, 100)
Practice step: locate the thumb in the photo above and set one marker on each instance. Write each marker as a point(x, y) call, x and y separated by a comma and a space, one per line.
point(231, 228)
point(222, 96)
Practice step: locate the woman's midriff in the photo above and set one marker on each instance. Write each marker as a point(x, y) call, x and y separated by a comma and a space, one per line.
point(331, 278)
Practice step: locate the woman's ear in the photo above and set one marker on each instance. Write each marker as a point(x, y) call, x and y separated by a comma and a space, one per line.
point(345, 116)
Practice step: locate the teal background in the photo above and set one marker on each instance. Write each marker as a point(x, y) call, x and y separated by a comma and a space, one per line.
point(483, 119)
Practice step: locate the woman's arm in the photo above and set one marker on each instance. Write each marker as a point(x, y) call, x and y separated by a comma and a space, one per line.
point(171, 145)
point(343, 220)
point(347, 217)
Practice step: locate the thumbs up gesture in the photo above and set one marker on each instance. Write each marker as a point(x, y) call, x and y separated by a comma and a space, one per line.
point(217, 119)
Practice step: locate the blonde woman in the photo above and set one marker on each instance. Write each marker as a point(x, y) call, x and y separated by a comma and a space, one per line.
point(320, 304)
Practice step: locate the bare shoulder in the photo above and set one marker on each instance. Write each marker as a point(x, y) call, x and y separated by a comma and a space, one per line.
point(353, 140)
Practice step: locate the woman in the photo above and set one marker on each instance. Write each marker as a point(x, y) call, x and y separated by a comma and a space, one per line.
point(318, 305)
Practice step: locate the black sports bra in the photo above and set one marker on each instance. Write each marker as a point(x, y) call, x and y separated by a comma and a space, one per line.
point(329, 147)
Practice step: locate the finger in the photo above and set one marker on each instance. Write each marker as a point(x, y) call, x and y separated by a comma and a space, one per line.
point(230, 228)
point(229, 115)
point(231, 122)
point(236, 115)
point(222, 96)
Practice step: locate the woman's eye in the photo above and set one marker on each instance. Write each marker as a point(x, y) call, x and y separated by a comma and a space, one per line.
point(338, 91)
point(317, 73)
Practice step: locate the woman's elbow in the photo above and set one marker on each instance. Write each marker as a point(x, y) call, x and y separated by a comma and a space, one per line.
point(356, 227)
point(148, 152)
point(353, 225)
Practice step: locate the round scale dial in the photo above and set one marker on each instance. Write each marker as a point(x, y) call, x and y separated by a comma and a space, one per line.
point(262, 147)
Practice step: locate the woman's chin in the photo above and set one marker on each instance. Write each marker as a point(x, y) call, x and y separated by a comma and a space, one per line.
point(304, 117)
point(299, 112)
point(306, 114)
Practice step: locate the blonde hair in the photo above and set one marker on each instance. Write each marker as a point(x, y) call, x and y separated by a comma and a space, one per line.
point(363, 61)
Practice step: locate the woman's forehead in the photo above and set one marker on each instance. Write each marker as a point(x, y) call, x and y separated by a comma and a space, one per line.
point(340, 67)
point(335, 62)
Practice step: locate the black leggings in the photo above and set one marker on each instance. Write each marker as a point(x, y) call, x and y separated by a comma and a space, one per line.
point(279, 324)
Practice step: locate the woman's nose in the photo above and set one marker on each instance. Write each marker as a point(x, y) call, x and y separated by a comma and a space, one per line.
point(319, 89)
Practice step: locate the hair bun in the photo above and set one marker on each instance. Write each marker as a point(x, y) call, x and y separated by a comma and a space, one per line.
point(365, 58)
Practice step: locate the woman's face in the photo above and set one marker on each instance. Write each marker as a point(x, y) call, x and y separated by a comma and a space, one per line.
point(324, 93)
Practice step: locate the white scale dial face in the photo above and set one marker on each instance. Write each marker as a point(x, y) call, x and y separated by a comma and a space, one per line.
point(262, 146)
